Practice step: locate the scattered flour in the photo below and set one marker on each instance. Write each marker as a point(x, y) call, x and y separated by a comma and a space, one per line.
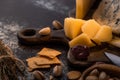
point(8, 34)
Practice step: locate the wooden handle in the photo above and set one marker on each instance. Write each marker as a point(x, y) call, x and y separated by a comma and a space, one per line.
point(32, 37)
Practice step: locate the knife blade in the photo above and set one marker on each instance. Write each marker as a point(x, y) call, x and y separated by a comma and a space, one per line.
point(113, 58)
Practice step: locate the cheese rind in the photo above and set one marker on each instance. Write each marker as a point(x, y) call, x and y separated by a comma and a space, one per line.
point(91, 27)
point(82, 39)
point(82, 7)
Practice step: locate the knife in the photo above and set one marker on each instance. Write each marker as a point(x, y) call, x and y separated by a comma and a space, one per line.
point(113, 58)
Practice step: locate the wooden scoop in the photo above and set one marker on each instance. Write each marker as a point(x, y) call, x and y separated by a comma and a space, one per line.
point(31, 36)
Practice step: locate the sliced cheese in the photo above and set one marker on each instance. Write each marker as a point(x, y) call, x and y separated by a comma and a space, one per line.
point(82, 7)
point(82, 39)
point(91, 27)
point(104, 34)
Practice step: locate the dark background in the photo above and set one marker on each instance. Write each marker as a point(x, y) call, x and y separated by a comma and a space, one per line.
point(18, 14)
point(35, 12)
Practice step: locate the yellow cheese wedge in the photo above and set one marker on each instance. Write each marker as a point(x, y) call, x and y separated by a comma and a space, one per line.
point(75, 28)
point(104, 34)
point(72, 27)
point(82, 39)
point(115, 42)
point(67, 23)
point(91, 27)
point(82, 7)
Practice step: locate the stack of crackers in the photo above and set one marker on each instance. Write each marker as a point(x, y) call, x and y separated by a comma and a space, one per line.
point(44, 59)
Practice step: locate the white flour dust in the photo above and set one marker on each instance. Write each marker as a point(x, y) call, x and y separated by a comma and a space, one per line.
point(52, 5)
point(8, 34)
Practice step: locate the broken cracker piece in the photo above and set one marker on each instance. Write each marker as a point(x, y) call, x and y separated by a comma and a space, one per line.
point(44, 60)
point(48, 52)
point(39, 67)
point(32, 65)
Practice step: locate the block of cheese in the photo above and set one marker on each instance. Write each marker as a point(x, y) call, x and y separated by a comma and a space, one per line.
point(72, 27)
point(91, 27)
point(82, 39)
point(67, 23)
point(108, 13)
point(103, 35)
point(82, 7)
point(75, 28)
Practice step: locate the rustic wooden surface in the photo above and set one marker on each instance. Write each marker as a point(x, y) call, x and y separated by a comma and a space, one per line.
point(18, 14)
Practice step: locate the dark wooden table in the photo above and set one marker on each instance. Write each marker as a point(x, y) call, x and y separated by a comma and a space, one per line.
point(18, 14)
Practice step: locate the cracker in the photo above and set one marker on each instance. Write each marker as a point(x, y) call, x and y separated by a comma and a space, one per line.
point(48, 52)
point(32, 65)
point(44, 60)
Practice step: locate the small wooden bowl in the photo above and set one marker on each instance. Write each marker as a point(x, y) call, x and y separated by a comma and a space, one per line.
point(108, 68)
